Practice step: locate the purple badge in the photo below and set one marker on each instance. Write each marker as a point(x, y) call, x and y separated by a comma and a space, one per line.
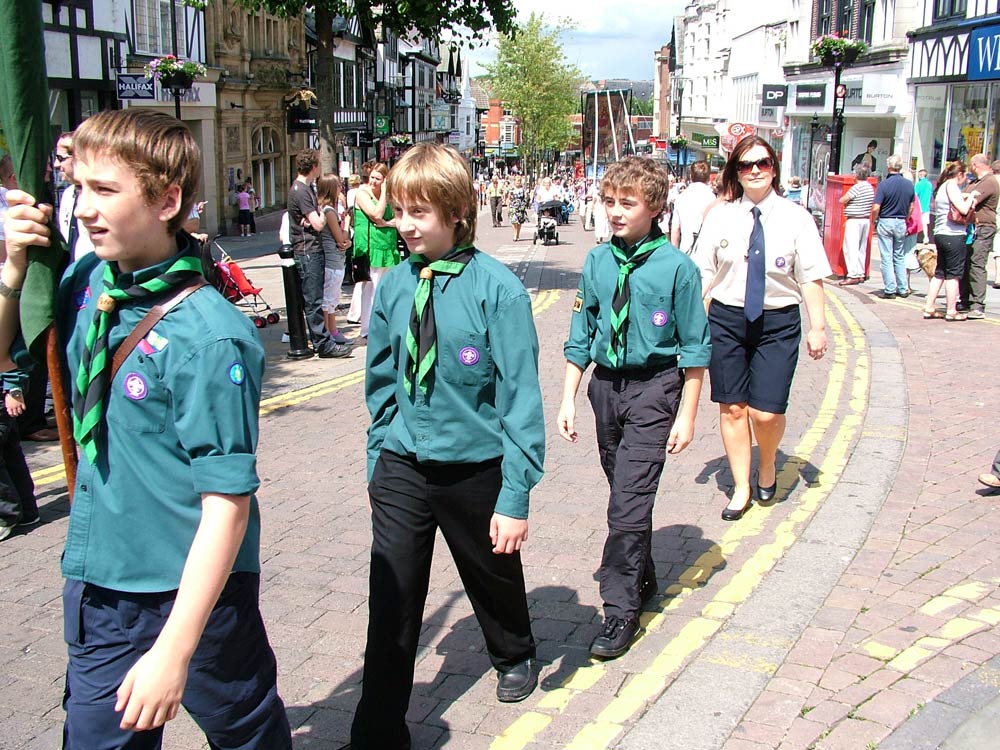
point(81, 298)
point(779, 262)
point(468, 356)
point(659, 318)
point(135, 386)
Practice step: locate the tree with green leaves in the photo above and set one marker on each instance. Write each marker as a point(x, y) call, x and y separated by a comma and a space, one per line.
point(467, 21)
point(532, 76)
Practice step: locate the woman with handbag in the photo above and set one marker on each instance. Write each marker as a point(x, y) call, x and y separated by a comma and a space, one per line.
point(953, 212)
point(374, 238)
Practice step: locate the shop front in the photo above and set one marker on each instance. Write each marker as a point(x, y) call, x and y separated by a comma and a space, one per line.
point(956, 78)
point(875, 121)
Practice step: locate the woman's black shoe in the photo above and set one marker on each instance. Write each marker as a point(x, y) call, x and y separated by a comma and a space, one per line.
point(729, 514)
point(765, 494)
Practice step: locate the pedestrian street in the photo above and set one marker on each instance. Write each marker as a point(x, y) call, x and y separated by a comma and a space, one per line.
point(830, 618)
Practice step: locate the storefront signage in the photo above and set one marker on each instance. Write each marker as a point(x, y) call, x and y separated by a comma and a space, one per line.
point(135, 87)
point(984, 54)
point(774, 95)
point(300, 121)
point(382, 124)
point(705, 141)
point(454, 137)
point(810, 95)
point(441, 118)
point(199, 95)
point(768, 115)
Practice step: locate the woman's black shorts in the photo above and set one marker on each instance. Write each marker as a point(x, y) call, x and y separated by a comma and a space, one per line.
point(951, 255)
point(754, 363)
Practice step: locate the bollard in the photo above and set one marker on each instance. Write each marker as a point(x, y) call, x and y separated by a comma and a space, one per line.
point(298, 341)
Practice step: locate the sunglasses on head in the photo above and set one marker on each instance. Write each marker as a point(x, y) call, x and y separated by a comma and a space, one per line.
point(764, 165)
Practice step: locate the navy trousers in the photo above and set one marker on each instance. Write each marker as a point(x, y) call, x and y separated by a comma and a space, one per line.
point(231, 690)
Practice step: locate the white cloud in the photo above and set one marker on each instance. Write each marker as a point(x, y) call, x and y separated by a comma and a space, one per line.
point(611, 39)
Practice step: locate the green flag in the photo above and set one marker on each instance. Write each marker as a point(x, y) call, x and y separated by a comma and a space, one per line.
point(24, 113)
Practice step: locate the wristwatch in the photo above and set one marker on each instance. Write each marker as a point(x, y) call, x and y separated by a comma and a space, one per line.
point(16, 393)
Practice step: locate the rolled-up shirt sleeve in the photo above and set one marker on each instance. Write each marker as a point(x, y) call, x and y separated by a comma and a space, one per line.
point(216, 401)
point(692, 323)
point(583, 322)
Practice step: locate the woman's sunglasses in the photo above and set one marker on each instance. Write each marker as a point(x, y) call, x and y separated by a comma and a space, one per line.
point(764, 165)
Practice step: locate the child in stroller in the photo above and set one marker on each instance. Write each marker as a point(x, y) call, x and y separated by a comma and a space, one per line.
point(547, 221)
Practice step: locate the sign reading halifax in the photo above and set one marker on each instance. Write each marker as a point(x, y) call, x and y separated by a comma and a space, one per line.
point(984, 54)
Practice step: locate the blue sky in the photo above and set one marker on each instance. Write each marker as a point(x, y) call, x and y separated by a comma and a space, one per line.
point(612, 39)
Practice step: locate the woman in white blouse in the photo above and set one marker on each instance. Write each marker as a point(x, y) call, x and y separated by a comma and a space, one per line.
point(760, 256)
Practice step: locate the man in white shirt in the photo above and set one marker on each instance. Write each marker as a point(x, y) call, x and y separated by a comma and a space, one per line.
point(73, 231)
point(690, 206)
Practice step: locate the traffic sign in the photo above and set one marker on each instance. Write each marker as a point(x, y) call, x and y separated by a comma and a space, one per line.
point(135, 87)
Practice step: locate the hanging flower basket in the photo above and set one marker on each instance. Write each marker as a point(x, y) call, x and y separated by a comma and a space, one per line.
point(832, 49)
point(678, 142)
point(174, 72)
point(400, 140)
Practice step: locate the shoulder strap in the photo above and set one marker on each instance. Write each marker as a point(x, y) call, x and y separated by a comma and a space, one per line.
point(154, 316)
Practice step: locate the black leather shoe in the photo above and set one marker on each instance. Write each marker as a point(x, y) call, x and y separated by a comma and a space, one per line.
point(518, 682)
point(335, 350)
point(616, 637)
point(728, 514)
point(766, 494)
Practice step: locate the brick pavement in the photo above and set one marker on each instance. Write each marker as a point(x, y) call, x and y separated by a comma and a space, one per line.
point(912, 611)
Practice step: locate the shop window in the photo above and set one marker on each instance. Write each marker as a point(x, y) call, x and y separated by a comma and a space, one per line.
point(948, 9)
point(846, 15)
point(967, 131)
point(928, 129)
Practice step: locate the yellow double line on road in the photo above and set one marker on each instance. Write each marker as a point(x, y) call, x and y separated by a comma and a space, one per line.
point(649, 684)
point(542, 302)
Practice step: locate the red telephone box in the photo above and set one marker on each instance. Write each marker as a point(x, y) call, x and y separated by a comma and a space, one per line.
point(837, 186)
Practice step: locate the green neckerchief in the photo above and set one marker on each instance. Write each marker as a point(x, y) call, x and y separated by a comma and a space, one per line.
point(629, 259)
point(91, 383)
point(421, 337)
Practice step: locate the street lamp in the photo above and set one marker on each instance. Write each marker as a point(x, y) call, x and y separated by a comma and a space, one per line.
point(813, 127)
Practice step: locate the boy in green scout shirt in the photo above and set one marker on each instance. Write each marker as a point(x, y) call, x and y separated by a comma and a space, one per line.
point(455, 442)
point(162, 553)
point(639, 316)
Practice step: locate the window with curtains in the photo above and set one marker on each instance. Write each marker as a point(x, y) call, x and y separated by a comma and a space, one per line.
point(845, 14)
point(152, 27)
point(866, 27)
point(824, 17)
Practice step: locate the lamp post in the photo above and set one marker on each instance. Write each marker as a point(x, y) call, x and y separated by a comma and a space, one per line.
point(837, 126)
point(813, 127)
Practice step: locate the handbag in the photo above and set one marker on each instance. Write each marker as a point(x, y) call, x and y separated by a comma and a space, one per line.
point(915, 220)
point(957, 217)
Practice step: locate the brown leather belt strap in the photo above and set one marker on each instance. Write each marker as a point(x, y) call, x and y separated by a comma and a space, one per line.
point(154, 316)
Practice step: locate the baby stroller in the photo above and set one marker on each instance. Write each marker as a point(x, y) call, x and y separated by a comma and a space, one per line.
point(546, 230)
point(229, 279)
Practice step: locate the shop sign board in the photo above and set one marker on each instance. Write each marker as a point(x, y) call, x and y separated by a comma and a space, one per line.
point(984, 54)
point(135, 87)
point(705, 141)
point(774, 95)
point(810, 95)
point(382, 124)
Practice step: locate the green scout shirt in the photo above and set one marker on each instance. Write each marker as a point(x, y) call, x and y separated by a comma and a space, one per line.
point(484, 400)
point(666, 312)
point(180, 420)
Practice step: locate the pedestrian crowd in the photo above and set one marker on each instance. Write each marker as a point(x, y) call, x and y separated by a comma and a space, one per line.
point(162, 558)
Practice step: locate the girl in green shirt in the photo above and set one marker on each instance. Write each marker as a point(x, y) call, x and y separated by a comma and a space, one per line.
point(374, 236)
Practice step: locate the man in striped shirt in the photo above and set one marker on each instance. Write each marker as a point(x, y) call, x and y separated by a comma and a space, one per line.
point(857, 204)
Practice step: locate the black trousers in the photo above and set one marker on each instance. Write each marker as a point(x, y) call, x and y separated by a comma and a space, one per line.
point(409, 503)
point(634, 411)
point(32, 419)
point(17, 490)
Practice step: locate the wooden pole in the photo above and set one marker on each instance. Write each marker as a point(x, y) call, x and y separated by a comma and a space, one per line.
point(61, 405)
